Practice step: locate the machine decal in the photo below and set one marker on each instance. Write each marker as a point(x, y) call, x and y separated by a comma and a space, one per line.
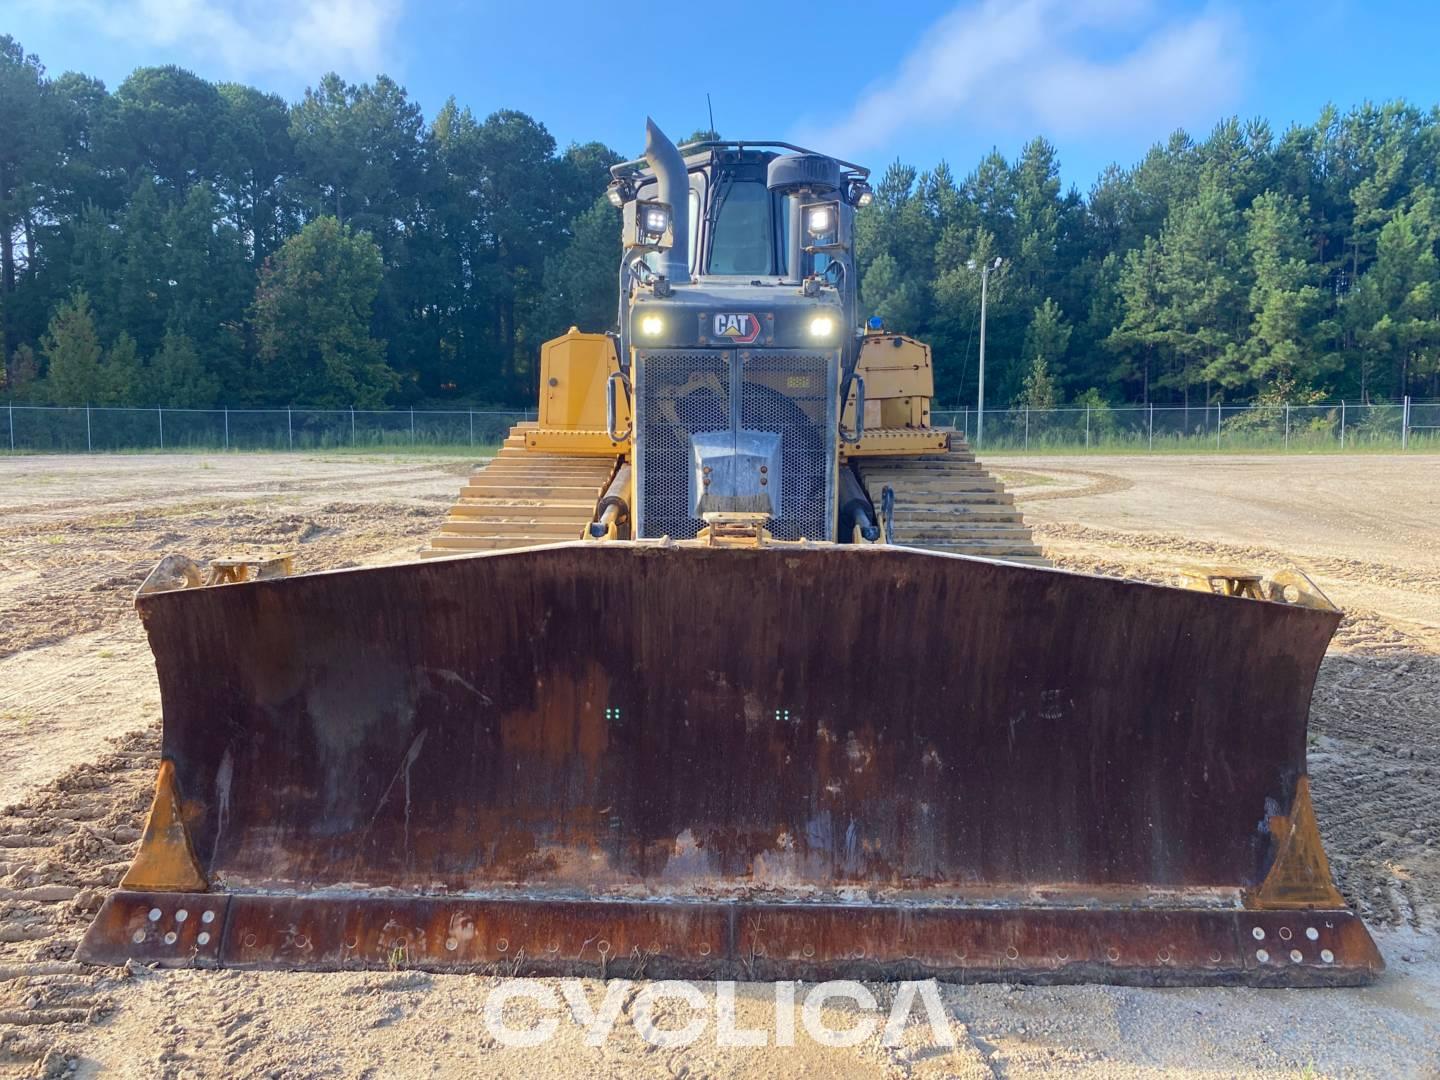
point(740, 327)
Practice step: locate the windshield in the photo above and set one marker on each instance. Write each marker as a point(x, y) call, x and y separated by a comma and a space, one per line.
point(744, 240)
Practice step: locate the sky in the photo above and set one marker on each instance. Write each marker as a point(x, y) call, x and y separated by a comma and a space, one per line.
point(917, 80)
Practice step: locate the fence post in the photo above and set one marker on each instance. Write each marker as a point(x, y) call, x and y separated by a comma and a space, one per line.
point(12, 426)
point(1217, 425)
point(160, 415)
point(1087, 427)
point(89, 447)
point(1342, 424)
point(352, 425)
point(1027, 429)
point(1287, 425)
point(471, 414)
point(290, 427)
point(1405, 424)
point(227, 427)
point(412, 427)
point(1152, 427)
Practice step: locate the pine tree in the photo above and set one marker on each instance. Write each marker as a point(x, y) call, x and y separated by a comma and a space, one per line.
point(122, 378)
point(1039, 387)
point(179, 380)
point(20, 375)
point(72, 352)
point(1285, 300)
point(1400, 296)
point(143, 293)
point(1046, 340)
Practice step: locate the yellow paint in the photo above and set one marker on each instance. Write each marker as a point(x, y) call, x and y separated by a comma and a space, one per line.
point(581, 443)
point(899, 383)
point(166, 861)
point(573, 372)
point(1300, 876)
point(897, 443)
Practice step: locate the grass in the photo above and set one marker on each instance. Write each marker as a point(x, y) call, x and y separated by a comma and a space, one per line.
point(416, 452)
point(1203, 447)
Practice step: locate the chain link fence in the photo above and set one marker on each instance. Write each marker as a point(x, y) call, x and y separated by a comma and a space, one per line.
point(59, 429)
point(1405, 425)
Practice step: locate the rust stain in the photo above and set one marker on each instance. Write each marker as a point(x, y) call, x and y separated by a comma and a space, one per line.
point(165, 861)
point(1300, 876)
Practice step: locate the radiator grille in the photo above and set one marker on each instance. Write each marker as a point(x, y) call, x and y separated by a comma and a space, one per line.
point(787, 392)
point(678, 394)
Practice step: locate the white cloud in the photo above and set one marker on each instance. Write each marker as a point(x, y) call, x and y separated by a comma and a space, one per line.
point(1063, 67)
point(302, 38)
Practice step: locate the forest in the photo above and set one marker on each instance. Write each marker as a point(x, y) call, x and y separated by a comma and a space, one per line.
point(185, 243)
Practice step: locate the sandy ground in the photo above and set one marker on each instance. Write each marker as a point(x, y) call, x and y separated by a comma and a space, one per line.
point(79, 738)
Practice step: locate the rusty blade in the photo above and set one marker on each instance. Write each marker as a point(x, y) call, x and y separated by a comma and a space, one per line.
point(893, 732)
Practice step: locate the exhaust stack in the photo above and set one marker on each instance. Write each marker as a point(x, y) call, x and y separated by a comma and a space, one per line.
point(674, 188)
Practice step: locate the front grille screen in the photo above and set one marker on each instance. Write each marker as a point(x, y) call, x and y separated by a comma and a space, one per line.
point(781, 391)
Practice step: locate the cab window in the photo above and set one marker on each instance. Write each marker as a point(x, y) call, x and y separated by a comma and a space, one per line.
point(744, 240)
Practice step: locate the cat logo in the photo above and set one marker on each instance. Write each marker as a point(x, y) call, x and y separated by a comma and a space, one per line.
point(741, 329)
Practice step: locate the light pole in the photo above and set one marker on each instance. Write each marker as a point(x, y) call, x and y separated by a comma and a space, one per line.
point(984, 295)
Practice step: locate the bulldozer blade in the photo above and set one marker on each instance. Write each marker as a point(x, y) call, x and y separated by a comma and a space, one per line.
point(806, 761)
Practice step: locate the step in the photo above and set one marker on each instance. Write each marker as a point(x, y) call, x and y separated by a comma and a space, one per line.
point(502, 489)
point(567, 510)
point(906, 503)
point(998, 531)
point(915, 464)
point(538, 476)
point(962, 469)
point(978, 547)
point(506, 526)
point(451, 544)
point(925, 516)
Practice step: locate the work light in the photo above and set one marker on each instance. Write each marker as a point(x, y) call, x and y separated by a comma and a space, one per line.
point(822, 219)
point(654, 219)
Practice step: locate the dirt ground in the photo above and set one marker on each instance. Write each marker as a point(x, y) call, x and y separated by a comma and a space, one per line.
point(79, 733)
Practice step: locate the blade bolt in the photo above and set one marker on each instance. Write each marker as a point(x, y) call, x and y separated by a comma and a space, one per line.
point(763, 481)
point(764, 468)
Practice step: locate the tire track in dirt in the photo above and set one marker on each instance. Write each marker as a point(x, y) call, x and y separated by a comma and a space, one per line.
point(1139, 550)
point(61, 850)
point(83, 577)
point(1099, 483)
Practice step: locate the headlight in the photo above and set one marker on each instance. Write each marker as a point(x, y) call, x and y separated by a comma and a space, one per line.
point(864, 197)
point(822, 326)
point(651, 325)
point(615, 195)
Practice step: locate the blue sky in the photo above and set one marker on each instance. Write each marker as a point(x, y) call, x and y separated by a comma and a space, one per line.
point(920, 80)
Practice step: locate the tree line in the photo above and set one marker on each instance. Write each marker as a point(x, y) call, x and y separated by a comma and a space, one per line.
point(187, 243)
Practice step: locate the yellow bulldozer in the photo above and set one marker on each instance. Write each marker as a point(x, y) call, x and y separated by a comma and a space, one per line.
point(733, 664)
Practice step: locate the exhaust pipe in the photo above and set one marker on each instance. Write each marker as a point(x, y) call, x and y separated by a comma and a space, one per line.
point(674, 184)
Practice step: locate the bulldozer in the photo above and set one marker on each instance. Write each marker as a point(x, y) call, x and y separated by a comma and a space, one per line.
point(732, 664)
